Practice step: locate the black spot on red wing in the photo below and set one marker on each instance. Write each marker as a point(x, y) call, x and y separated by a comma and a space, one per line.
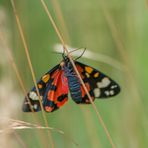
point(62, 97)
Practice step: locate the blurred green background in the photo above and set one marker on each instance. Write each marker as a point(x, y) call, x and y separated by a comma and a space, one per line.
point(117, 29)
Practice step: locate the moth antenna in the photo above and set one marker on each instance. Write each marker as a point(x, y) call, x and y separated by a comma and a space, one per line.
point(81, 54)
point(56, 52)
point(75, 50)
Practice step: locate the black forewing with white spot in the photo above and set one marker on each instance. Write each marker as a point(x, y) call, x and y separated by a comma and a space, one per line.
point(100, 85)
point(31, 101)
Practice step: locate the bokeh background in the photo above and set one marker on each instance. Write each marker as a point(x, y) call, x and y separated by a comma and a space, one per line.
point(110, 29)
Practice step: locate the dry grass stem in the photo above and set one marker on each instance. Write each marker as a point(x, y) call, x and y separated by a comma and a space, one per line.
point(18, 125)
point(13, 124)
point(73, 64)
point(30, 66)
point(14, 66)
point(60, 18)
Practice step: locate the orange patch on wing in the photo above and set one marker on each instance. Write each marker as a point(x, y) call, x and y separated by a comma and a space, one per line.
point(80, 69)
point(87, 101)
point(45, 78)
point(48, 108)
point(83, 91)
point(88, 69)
point(40, 86)
point(96, 74)
point(51, 95)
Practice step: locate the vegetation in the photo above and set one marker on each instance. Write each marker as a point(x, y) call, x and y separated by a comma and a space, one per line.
point(109, 29)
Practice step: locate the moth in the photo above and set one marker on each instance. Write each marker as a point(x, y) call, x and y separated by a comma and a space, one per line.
point(54, 86)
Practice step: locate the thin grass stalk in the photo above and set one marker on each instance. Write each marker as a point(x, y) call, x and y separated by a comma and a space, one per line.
point(114, 30)
point(120, 47)
point(18, 76)
point(12, 62)
point(31, 68)
point(81, 81)
point(89, 125)
point(14, 125)
point(126, 59)
point(62, 22)
point(22, 143)
point(60, 18)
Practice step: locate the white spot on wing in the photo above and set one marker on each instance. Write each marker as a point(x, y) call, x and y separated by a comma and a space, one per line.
point(35, 106)
point(111, 92)
point(114, 86)
point(27, 102)
point(33, 96)
point(97, 92)
point(107, 93)
point(104, 83)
